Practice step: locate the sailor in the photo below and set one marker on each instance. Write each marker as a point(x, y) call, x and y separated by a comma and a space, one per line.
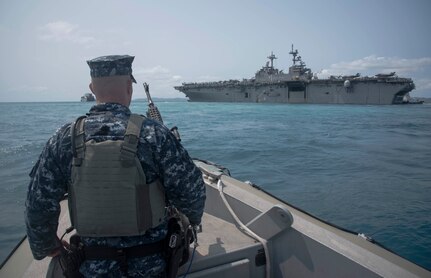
point(128, 166)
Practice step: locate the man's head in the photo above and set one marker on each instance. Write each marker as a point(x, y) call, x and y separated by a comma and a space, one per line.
point(111, 78)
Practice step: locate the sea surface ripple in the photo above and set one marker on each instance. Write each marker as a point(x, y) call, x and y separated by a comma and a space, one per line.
point(364, 168)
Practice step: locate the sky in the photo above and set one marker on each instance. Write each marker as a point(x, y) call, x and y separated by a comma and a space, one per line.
point(45, 44)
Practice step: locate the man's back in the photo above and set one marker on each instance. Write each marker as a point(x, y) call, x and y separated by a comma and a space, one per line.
point(162, 158)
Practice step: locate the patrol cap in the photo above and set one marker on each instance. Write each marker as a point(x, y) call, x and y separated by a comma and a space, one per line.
point(111, 65)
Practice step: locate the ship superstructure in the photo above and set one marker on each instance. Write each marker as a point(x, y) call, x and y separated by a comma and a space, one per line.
point(300, 85)
point(88, 97)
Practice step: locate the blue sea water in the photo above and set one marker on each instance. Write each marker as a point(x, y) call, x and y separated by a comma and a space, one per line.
point(365, 168)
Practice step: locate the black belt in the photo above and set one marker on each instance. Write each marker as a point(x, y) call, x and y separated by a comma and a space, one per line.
point(121, 254)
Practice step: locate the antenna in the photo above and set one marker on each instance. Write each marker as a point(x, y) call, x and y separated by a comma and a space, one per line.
point(294, 53)
point(272, 57)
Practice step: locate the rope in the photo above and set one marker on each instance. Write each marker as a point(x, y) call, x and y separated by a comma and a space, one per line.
point(246, 230)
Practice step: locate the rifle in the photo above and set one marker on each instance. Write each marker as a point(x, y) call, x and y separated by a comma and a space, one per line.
point(153, 112)
point(180, 232)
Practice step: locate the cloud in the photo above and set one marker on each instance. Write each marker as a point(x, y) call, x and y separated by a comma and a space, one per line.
point(61, 31)
point(423, 84)
point(374, 64)
point(160, 79)
point(158, 73)
point(28, 89)
point(157, 70)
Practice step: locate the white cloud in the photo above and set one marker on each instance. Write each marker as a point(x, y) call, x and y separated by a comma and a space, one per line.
point(157, 70)
point(160, 79)
point(374, 64)
point(157, 73)
point(60, 31)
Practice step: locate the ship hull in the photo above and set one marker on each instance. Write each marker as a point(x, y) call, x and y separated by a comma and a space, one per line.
point(324, 91)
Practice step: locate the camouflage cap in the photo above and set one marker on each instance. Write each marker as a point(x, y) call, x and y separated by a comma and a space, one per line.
point(112, 65)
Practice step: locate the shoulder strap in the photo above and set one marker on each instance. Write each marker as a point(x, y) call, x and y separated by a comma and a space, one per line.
point(131, 137)
point(78, 140)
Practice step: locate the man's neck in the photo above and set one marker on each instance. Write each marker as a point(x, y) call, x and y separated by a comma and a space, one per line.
point(124, 102)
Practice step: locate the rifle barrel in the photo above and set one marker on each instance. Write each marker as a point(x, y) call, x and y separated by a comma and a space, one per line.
point(147, 91)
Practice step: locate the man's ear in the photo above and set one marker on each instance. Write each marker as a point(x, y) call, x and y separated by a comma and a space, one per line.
point(91, 87)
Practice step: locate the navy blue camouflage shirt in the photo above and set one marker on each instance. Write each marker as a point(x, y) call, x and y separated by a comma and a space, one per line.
point(162, 157)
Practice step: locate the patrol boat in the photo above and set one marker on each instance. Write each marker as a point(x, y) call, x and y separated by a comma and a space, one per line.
point(300, 85)
point(247, 232)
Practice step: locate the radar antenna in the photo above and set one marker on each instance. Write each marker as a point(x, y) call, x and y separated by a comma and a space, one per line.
point(294, 53)
point(272, 57)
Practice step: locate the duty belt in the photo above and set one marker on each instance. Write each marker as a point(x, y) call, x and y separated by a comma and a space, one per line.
point(112, 253)
point(123, 254)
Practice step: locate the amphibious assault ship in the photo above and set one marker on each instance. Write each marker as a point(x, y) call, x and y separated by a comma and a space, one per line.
point(300, 85)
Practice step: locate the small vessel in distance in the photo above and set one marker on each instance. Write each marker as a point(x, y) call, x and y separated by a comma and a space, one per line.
point(88, 97)
point(300, 85)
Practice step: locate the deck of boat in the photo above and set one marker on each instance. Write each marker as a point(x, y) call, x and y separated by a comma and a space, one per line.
point(297, 244)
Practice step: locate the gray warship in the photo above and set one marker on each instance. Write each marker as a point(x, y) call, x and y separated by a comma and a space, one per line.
point(300, 85)
point(88, 97)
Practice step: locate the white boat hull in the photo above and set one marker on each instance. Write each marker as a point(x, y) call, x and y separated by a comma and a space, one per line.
point(297, 244)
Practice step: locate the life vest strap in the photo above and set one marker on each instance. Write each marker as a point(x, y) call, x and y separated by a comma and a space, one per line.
point(78, 140)
point(129, 147)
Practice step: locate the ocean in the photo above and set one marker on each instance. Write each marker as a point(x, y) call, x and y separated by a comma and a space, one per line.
point(364, 168)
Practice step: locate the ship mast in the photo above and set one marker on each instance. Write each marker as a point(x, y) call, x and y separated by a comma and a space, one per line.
point(272, 57)
point(294, 53)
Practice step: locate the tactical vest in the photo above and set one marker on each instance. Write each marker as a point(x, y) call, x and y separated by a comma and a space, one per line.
point(108, 194)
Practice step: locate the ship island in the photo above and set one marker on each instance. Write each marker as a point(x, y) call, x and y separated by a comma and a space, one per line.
point(88, 97)
point(300, 85)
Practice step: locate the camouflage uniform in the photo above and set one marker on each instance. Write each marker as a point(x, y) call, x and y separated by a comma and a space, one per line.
point(162, 157)
point(113, 65)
